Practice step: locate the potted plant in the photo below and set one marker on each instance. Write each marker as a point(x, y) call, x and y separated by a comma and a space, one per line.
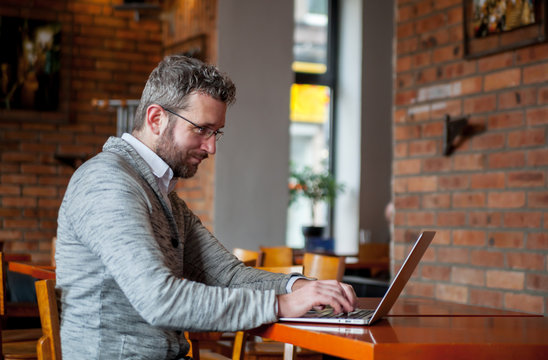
point(316, 187)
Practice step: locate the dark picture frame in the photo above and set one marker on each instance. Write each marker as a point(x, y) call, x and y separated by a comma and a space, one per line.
point(34, 70)
point(486, 32)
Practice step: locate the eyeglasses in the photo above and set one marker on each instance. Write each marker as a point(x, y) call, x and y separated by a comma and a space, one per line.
point(202, 131)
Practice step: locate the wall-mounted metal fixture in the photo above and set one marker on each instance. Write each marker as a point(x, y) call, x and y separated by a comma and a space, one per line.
point(125, 111)
point(138, 7)
point(453, 129)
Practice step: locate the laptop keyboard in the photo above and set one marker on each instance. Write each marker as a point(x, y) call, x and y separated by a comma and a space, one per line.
point(356, 314)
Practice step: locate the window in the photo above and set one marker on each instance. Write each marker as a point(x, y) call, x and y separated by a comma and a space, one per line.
point(311, 125)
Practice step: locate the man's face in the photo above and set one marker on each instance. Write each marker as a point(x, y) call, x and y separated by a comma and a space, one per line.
point(180, 146)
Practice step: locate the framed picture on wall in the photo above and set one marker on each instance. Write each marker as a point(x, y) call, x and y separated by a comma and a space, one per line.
point(492, 26)
point(32, 85)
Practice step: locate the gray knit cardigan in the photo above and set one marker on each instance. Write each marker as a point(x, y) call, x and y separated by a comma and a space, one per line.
point(133, 274)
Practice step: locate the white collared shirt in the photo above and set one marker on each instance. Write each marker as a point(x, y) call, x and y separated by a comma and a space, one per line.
point(162, 171)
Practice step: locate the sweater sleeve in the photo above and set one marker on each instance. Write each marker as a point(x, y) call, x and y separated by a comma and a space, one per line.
point(106, 202)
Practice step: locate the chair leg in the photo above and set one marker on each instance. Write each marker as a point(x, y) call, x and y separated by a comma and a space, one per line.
point(238, 349)
point(289, 351)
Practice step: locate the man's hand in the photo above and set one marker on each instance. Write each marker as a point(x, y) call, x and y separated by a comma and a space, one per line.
point(308, 294)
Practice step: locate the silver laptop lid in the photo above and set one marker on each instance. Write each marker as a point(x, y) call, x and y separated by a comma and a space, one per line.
point(406, 270)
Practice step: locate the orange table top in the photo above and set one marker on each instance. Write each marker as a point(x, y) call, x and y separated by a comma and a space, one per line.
point(424, 329)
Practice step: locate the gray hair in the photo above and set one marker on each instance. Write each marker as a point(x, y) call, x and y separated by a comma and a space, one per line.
point(175, 78)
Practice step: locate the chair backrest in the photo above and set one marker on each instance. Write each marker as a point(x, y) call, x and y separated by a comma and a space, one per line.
point(277, 256)
point(323, 267)
point(248, 257)
point(49, 345)
point(282, 269)
point(373, 251)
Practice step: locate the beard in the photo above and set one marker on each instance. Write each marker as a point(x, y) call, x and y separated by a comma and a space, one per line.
point(169, 152)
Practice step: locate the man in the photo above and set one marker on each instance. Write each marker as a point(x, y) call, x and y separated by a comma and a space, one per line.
point(135, 266)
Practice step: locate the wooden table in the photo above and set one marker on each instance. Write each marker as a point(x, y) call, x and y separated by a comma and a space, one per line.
point(424, 329)
point(41, 272)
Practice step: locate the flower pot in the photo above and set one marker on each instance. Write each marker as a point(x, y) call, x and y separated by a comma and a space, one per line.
point(312, 231)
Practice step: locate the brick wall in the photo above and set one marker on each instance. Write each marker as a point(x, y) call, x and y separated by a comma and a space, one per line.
point(110, 56)
point(488, 201)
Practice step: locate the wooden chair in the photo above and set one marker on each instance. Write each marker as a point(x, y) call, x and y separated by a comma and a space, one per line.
point(16, 343)
point(273, 349)
point(323, 267)
point(277, 256)
point(373, 252)
point(49, 345)
point(248, 257)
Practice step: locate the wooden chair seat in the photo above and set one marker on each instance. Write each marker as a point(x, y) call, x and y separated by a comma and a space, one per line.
point(19, 350)
point(277, 256)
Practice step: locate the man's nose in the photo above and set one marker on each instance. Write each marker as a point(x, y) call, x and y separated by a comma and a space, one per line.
point(210, 145)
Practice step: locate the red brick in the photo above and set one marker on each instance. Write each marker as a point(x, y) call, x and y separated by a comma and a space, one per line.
point(522, 219)
point(39, 191)
point(485, 219)
point(526, 261)
point(451, 219)
point(10, 190)
point(430, 23)
point(537, 157)
point(436, 201)
point(453, 182)
point(487, 258)
point(534, 137)
point(506, 120)
point(538, 200)
point(517, 98)
point(423, 147)
point(446, 53)
point(406, 132)
point(532, 53)
point(495, 62)
point(459, 69)
point(405, 30)
point(407, 166)
point(19, 201)
point(436, 164)
point(506, 239)
point(510, 280)
point(6, 235)
point(422, 183)
point(469, 162)
point(435, 272)
point(401, 150)
point(535, 73)
point(432, 129)
point(502, 79)
point(487, 298)
point(468, 200)
point(406, 202)
point(480, 104)
point(454, 293)
point(20, 224)
point(537, 116)
point(489, 142)
point(537, 241)
point(420, 219)
point(507, 159)
point(537, 282)
point(495, 180)
point(415, 288)
point(450, 107)
point(524, 302)
point(471, 85)
point(526, 179)
point(407, 46)
point(453, 255)
point(468, 238)
point(506, 200)
point(468, 276)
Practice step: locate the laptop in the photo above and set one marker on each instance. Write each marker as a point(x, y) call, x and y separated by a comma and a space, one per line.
point(369, 316)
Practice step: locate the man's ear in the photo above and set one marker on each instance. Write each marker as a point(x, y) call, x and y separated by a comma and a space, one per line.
point(155, 119)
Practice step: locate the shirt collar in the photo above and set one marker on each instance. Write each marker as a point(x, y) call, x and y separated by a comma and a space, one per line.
point(159, 168)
